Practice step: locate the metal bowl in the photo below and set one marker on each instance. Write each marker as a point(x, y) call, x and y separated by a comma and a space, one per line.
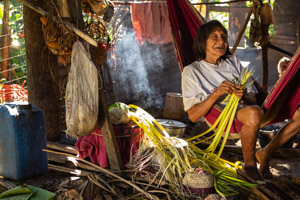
point(173, 127)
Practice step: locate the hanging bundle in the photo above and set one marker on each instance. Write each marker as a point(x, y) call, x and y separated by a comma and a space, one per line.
point(103, 8)
point(255, 27)
point(58, 39)
point(97, 30)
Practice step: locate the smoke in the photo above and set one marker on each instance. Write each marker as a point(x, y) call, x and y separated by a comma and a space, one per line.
point(134, 72)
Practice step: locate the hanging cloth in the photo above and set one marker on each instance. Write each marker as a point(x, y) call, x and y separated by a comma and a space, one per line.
point(150, 22)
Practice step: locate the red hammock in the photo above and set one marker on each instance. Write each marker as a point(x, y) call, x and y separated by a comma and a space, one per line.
point(185, 21)
point(283, 99)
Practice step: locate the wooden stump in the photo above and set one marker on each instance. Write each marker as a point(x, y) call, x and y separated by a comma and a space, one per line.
point(174, 106)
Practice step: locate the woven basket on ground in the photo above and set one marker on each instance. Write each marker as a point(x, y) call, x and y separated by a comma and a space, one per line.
point(199, 182)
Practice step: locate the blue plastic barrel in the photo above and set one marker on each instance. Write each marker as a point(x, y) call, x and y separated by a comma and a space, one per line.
point(22, 138)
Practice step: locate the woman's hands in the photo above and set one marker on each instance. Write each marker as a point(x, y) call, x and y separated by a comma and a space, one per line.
point(201, 109)
point(227, 87)
point(239, 92)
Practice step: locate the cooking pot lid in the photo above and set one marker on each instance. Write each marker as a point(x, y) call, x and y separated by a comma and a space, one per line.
point(170, 123)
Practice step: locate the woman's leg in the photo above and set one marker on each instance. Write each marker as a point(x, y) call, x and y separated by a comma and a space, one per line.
point(285, 133)
point(250, 117)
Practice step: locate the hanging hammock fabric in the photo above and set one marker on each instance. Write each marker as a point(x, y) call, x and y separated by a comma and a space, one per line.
point(185, 21)
point(283, 99)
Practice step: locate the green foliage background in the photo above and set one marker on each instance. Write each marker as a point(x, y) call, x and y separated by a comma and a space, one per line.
point(17, 49)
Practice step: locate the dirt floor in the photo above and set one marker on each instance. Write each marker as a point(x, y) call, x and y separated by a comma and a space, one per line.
point(281, 166)
point(69, 186)
point(289, 166)
point(283, 163)
point(61, 184)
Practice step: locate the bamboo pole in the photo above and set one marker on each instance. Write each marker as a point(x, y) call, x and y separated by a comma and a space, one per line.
point(62, 147)
point(242, 31)
point(54, 18)
point(7, 185)
point(68, 170)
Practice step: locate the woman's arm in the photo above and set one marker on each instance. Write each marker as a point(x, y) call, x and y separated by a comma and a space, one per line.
point(201, 109)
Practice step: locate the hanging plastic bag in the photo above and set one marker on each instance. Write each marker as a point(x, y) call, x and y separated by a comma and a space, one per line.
point(82, 98)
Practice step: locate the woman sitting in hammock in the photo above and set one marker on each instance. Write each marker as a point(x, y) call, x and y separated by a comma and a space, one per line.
point(207, 81)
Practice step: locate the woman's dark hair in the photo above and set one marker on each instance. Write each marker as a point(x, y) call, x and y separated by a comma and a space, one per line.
point(202, 35)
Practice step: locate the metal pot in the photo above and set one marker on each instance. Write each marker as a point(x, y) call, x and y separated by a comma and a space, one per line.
point(173, 127)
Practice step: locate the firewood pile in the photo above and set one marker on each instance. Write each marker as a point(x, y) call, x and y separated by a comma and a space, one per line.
point(81, 179)
point(100, 183)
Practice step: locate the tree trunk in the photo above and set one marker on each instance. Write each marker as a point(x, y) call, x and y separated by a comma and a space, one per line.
point(42, 72)
point(5, 41)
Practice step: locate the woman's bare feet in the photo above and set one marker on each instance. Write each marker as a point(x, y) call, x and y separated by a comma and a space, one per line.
point(253, 173)
point(263, 158)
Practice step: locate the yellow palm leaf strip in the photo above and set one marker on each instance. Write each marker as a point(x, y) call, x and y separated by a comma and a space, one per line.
point(216, 188)
point(153, 129)
point(221, 164)
point(207, 138)
point(207, 131)
point(223, 188)
point(242, 76)
point(149, 118)
point(175, 164)
point(248, 84)
point(232, 115)
point(222, 125)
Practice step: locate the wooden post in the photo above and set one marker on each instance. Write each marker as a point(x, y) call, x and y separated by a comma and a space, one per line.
point(42, 73)
point(265, 46)
point(109, 137)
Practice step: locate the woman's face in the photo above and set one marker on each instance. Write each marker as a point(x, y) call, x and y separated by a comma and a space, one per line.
point(216, 44)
